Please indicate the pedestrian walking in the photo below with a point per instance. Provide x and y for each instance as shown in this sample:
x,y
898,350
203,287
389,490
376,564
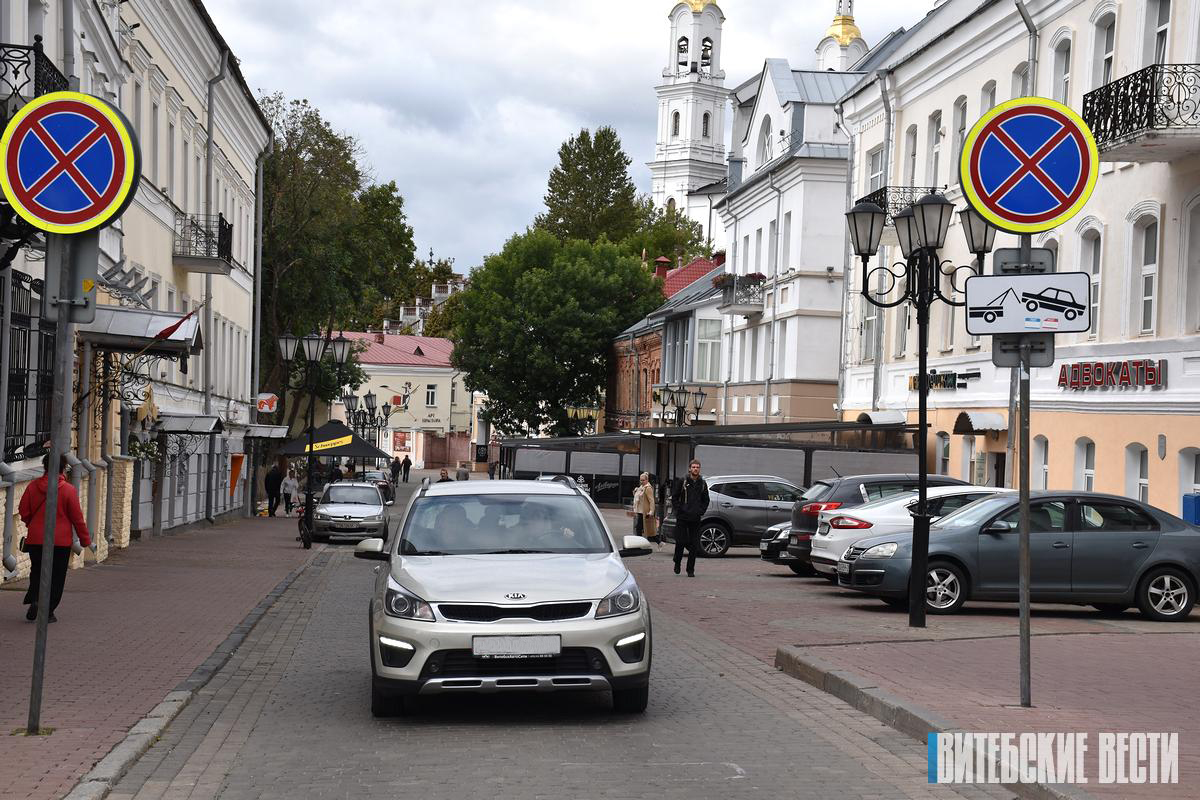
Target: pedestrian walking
x,y
462,473
690,501
32,509
644,521
290,488
406,465
273,482
335,472
491,470
396,469
445,476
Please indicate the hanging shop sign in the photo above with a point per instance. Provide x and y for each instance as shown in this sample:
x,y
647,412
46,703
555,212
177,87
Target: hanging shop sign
x,y
399,440
949,381
1114,374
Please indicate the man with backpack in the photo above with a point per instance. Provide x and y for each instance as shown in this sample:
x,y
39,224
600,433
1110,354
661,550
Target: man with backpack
x,y
690,501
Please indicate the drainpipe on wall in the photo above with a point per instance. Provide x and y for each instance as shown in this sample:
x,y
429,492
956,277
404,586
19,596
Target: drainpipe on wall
x,y
729,365
1014,374
637,382
877,378
208,316
84,441
770,371
843,344
68,40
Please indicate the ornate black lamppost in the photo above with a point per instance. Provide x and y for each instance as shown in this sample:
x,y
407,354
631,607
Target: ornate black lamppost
x,y
313,347
921,229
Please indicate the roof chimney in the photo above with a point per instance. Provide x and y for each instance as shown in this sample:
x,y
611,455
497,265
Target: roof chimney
x,y
662,265
719,258
380,338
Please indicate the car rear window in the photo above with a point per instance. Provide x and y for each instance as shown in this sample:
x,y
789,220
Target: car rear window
x,y
818,491
502,523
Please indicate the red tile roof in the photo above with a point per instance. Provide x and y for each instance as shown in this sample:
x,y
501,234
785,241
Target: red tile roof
x,y
683,277
396,350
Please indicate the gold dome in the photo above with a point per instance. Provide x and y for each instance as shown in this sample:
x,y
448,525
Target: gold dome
x,y
700,5
843,30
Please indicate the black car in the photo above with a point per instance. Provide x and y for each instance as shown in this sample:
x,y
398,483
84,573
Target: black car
x,y
826,495
383,480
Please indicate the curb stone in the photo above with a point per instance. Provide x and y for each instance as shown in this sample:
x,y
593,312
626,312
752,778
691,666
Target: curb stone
x,y
893,711
99,781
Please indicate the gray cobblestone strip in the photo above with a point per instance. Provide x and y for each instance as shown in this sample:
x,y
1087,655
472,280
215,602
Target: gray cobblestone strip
x,y
288,716
98,782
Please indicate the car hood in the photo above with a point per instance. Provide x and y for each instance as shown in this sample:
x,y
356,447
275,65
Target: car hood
x,y
487,578
355,510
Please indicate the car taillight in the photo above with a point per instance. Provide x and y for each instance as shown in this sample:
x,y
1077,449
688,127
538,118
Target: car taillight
x,y
848,523
797,538
812,509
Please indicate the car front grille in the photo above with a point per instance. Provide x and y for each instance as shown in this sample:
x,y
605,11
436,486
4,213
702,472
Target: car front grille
x,y
465,664
853,553
547,612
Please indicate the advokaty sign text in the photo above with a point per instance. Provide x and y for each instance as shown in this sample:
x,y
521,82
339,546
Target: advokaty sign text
x,y
1113,374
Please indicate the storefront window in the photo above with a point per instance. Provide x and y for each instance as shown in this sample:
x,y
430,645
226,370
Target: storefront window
x,y
943,444
1089,466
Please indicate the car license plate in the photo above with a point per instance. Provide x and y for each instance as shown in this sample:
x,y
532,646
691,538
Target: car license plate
x,y
516,646
823,527
764,546
843,568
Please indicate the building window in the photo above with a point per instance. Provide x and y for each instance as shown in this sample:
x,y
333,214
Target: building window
x,y
675,124
1158,20
787,247
430,395
170,181
31,372
745,267
1148,275
1041,456
154,143
708,350
960,136
968,458
1106,37
987,98
901,329
671,205
875,168
1137,472
781,370
765,149
758,251
943,450
910,156
705,124
1062,72
933,166
870,318
1196,473
706,55
1085,465
185,186
773,248
137,107
1020,80
1092,250
682,50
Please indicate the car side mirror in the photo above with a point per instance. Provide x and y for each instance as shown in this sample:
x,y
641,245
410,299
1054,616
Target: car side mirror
x,y
635,546
389,502
1000,526
371,549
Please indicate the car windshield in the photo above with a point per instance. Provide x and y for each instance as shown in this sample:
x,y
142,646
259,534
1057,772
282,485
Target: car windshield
x,y
975,513
901,498
502,523
374,476
352,495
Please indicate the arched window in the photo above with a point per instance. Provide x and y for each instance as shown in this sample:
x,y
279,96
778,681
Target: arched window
x,y
1062,71
1106,46
1137,472
1146,274
1020,80
933,164
960,136
910,156
943,453
1041,462
675,124
1189,471
706,55
683,51
1085,464
707,119
987,97
1091,262
671,205
765,150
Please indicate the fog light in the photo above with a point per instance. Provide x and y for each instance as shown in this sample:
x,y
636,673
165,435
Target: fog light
x,y
597,664
632,649
395,653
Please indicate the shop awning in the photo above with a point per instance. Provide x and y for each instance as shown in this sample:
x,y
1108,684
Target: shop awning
x,y
333,440
189,424
266,432
972,422
883,417
117,329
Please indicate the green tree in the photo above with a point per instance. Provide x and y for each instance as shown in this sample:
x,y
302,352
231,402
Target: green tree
x,y
665,232
589,193
533,328
441,320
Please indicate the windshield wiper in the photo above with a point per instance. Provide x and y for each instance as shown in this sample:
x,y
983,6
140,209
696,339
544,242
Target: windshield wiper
x,y
515,552
424,553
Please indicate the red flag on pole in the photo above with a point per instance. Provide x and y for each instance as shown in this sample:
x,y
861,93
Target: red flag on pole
x,y
170,329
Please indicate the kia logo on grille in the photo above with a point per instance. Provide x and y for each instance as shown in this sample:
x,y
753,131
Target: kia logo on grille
x,y
515,596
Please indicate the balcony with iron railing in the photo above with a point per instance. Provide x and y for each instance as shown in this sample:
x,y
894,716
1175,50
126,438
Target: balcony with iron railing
x,y
25,73
894,199
1149,115
741,295
203,243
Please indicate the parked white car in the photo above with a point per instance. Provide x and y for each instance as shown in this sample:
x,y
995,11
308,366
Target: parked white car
x,y
837,529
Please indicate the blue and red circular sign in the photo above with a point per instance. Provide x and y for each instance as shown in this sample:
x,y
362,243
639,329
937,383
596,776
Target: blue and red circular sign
x,y
1029,165
69,162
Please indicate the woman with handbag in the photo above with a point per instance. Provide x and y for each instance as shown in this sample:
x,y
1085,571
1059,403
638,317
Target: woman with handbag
x,y
33,513
644,521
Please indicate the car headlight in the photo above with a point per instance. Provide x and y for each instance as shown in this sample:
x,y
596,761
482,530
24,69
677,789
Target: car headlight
x,y
886,550
399,602
323,516
374,518
625,599
783,533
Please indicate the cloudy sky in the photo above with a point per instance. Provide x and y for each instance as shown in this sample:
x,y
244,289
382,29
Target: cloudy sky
x,y
464,104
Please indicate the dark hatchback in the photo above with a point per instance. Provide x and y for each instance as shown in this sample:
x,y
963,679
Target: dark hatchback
x,y
828,494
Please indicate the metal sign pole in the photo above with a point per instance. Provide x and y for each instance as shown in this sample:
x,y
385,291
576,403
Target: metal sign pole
x,y
58,258
1023,556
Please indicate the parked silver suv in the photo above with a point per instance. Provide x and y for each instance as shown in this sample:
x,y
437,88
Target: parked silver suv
x,y
740,510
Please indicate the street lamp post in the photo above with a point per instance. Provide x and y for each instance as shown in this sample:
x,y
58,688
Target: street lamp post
x,y
313,348
921,230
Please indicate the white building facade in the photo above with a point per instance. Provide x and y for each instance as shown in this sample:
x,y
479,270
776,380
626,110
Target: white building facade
x,y
1129,67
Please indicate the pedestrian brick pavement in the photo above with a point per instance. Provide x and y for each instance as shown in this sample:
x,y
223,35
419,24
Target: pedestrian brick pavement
x,y
288,716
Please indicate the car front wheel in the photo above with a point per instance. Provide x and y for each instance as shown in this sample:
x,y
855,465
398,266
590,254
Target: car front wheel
x,y
714,540
1166,595
945,588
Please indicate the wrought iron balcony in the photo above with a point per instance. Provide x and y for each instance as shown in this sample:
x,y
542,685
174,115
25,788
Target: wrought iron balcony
x,y
1149,115
25,73
742,295
894,199
203,243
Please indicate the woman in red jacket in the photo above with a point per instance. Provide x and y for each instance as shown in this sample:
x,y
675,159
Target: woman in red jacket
x,y
33,514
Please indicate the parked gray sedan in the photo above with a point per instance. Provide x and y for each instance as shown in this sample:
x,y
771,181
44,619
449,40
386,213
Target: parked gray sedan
x,y
1086,548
